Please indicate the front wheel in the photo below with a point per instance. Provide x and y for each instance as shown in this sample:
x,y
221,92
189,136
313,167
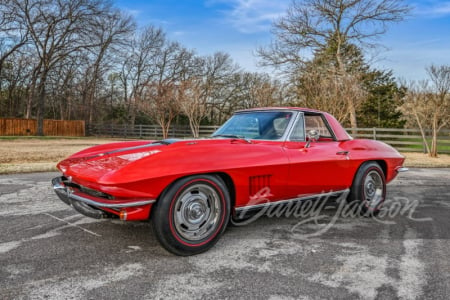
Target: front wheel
x,y
368,190
191,214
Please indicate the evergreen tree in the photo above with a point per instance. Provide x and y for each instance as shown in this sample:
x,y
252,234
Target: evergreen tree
x,y
383,99
322,86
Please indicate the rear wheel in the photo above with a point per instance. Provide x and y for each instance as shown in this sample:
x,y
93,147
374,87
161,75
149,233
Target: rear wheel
x,y
368,190
192,214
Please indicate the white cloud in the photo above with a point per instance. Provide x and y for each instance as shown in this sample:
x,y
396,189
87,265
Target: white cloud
x,y
441,8
251,16
132,12
433,8
178,33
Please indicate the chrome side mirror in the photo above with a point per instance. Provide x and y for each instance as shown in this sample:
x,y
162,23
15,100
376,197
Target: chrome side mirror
x,y
313,135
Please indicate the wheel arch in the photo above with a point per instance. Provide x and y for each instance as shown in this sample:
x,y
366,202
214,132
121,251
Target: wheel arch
x,y
229,183
380,162
383,166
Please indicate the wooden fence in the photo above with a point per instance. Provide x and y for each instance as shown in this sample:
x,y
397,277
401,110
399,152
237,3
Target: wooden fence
x,y
28,127
401,139
146,131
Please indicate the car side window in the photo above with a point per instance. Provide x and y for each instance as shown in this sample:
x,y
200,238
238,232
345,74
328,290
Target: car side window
x,y
298,131
280,125
315,122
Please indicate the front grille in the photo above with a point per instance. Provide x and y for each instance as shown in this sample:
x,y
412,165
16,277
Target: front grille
x,y
95,193
87,191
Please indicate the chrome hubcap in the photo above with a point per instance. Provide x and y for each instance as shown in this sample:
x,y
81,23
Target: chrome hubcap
x,y
373,189
197,212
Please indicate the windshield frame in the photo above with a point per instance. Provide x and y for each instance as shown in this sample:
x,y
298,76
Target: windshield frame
x,y
286,132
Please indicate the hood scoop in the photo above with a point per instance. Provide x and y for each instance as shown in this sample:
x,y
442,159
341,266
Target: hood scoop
x,y
166,141
157,143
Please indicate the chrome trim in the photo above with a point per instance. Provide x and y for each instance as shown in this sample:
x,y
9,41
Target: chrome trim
x,y
263,205
299,118
66,195
402,169
109,205
57,184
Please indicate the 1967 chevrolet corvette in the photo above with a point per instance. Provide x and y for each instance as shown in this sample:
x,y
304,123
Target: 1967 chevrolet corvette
x,y
190,189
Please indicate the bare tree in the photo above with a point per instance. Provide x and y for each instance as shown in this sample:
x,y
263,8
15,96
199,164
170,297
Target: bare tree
x,y
428,102
15,82
192,102
322,87
83,59
219,71
57,29
196,93
310,25
260,90
138,67
440,101
161,96
110,30
13,34
159,101
415,107
322,91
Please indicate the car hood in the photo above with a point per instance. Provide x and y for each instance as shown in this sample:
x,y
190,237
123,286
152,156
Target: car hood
x,y
94,162
129,161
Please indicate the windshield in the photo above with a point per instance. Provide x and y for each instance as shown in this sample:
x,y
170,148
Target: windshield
x,y
264,125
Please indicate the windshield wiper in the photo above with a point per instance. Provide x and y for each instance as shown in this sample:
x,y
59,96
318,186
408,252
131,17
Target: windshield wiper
x,y
231,136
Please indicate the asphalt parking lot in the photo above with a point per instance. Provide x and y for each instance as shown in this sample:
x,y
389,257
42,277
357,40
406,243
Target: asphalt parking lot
x,y
48,251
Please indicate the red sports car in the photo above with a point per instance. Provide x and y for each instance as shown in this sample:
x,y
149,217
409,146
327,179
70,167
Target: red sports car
x,y
190,189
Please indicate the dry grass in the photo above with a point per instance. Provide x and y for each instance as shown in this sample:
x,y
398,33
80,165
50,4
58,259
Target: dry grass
x,y
420,160
37,155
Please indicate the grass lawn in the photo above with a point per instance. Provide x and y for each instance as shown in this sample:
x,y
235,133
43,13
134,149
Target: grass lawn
x,y
417,144
24,155
420,160
20,155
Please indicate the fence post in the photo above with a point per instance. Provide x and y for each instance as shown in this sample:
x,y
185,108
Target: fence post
x,y
140,131
112,129
374,133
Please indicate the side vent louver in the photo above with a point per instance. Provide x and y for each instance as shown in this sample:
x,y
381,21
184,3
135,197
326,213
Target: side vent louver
x,y
258,183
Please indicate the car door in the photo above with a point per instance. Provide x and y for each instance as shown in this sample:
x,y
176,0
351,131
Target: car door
x,y
315,167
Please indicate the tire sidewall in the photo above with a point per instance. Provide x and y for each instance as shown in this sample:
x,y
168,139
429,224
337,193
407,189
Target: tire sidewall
x,y
357,190
163,216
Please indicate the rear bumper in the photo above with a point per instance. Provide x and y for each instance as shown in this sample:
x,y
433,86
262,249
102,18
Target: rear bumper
x,y
95,207
402,169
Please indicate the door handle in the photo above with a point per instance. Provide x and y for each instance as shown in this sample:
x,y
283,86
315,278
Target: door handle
x,y
342,152
346,153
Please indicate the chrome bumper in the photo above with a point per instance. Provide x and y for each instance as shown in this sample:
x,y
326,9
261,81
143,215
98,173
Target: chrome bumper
x,y
89,205
402,169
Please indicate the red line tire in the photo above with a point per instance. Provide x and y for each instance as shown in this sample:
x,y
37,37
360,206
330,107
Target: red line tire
x,y
191,214
368,190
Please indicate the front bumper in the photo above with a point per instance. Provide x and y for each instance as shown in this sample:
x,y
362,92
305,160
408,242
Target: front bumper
x,y
402,169
97,207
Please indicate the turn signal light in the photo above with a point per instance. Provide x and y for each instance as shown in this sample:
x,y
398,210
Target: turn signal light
x,y
123,215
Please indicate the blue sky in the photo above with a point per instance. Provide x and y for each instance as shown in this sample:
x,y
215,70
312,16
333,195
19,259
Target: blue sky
x,y
238,27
